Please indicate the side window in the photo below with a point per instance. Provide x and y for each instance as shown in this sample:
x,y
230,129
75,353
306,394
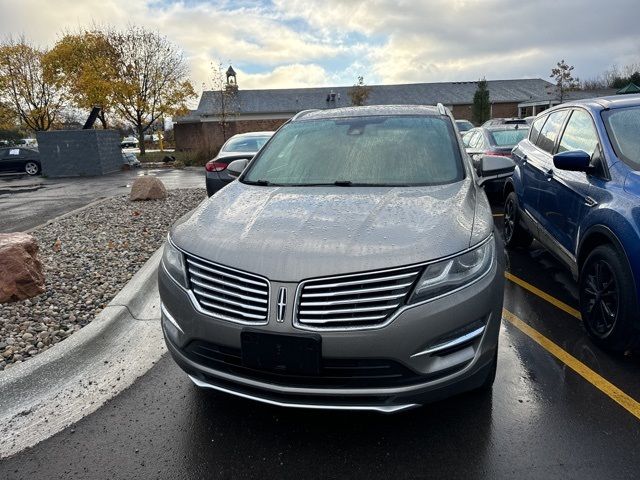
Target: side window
x,y
580,134
535,129
466,138
476,140
550,131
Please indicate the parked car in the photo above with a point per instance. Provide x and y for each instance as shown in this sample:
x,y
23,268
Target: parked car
x,y
504,121
28,142
243,145
19,159
331,274
496,140
130,159
577,190
464,125
129,142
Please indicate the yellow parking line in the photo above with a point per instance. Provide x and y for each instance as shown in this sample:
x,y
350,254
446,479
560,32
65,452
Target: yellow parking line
x,y
606,387
545,296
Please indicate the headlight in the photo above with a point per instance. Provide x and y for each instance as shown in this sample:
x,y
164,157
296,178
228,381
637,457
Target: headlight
x,y
456,272
173,262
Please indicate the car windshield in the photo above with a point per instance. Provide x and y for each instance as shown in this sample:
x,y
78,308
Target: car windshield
x,y
245,144
623,126
375,150
507,138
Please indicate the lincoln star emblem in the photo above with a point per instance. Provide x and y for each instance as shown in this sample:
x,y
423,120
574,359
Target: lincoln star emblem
x,y
282,304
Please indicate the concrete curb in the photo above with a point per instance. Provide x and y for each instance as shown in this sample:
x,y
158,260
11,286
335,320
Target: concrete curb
x,y
58,387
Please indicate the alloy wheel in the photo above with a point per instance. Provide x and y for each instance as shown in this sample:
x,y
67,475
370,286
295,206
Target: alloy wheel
x,y
509,220
601,298
31,168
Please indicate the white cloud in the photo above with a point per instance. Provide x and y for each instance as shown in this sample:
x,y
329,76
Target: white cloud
x,y
287,76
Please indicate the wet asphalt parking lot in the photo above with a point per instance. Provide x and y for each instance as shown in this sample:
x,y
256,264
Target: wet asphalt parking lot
x,y
26,202
560,408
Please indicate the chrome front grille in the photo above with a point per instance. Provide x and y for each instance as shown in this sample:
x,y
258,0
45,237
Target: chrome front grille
x,y
228,294
353,301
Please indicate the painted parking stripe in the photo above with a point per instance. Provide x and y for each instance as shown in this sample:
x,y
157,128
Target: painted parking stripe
x,y
606,387
543,295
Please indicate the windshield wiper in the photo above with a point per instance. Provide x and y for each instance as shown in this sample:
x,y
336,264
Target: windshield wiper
x,y
261,182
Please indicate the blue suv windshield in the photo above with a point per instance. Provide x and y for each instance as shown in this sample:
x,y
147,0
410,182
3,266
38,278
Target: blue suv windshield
x,y
623,126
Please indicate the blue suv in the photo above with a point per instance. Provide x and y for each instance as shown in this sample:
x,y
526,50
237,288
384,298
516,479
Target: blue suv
x,y
576,189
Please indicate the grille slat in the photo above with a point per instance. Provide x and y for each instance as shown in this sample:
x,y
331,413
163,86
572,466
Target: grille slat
x,y
223,282
228,294
363,281
356,292
333,311
336,303
312,321
230,310
218,272
230,302
347,302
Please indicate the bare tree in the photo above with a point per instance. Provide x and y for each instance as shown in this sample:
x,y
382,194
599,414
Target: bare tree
x,y
151,78
359,93
564,79
32,92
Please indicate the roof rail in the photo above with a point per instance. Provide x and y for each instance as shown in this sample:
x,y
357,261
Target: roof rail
x,y
304,112
441,109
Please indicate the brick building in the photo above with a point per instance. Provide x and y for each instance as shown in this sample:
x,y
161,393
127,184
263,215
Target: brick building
x,y
259,110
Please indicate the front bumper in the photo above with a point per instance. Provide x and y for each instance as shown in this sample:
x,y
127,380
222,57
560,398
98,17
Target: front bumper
x,y
428,377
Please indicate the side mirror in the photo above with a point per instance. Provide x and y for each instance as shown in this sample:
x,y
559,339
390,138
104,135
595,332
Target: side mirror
x,y
574,160
236,167
494,167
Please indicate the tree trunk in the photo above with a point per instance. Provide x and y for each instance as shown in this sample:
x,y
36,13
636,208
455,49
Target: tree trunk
x,y
141,139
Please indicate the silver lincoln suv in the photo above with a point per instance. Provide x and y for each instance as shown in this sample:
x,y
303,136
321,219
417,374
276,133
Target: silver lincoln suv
x,y
352,265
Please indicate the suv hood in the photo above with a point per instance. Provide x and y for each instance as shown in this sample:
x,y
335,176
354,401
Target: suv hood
x,y
290,234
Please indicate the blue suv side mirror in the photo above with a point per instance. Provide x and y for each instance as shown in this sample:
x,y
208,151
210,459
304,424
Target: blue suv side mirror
x,y
574,160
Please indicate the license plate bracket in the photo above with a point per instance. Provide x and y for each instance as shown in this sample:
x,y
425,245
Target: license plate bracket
x,y
287,354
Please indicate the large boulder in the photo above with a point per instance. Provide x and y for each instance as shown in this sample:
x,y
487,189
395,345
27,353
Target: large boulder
x,y
21,274
147,188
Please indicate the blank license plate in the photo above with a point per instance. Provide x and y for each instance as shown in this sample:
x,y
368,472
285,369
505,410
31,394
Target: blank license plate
x,y
295,354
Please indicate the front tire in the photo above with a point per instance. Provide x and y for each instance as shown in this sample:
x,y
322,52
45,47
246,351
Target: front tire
x,y
608,300
31,168
515,235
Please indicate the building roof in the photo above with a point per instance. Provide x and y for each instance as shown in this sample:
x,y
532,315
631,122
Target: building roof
x,y
612,101
292,100
585,94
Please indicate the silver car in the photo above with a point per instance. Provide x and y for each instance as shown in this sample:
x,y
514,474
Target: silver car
x,y
352,265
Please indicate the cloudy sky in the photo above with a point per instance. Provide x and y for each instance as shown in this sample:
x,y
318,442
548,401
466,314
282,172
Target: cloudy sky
x,y
293,43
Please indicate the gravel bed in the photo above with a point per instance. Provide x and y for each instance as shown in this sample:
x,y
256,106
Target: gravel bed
x,y
88,258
